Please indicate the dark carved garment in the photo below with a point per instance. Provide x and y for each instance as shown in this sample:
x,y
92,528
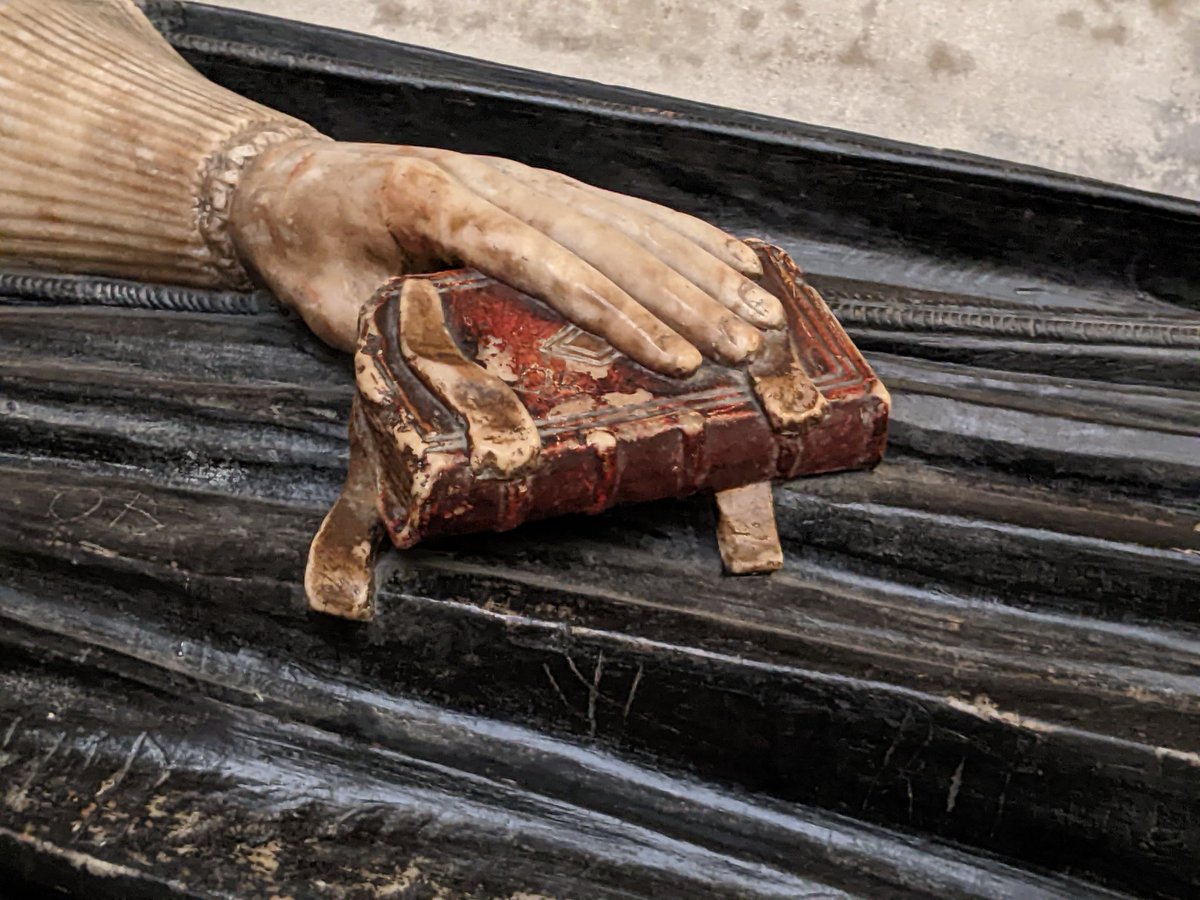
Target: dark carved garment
x,y
976,675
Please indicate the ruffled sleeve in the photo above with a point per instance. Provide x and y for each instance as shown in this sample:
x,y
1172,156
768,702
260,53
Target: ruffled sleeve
x,y
117,157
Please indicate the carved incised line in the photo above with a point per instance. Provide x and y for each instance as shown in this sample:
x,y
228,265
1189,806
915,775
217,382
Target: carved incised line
x,y
891,311
1081,327
93,291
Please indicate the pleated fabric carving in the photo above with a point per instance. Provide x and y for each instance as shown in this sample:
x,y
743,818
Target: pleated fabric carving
x,y
112,147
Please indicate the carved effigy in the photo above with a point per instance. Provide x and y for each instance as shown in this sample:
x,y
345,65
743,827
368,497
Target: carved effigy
x,y
187,182
974,674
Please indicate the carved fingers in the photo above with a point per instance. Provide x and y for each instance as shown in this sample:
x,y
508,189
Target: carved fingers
x,y
428,204
705,256
723,246
612,251
731,251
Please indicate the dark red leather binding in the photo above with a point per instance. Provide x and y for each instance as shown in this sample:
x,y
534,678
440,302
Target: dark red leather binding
x,y
611,431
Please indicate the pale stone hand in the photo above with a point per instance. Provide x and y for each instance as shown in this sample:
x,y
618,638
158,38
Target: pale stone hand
x,y
188,183
323,223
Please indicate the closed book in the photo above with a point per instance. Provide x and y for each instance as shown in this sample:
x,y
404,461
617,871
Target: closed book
x,y
610,431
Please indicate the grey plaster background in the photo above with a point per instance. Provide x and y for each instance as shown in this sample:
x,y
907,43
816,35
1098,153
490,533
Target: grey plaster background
x,y
1105,88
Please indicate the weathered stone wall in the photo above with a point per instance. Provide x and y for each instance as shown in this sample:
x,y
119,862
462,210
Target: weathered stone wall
x,y
1105,88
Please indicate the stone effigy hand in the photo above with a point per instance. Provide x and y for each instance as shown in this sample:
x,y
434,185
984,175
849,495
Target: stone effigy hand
x,y
118,158
324,223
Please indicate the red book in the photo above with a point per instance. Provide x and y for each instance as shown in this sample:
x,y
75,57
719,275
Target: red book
x,y
610,430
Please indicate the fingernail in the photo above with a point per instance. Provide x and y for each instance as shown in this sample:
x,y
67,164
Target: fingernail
x,y
748,262
765,306
743,340
678,357
684,359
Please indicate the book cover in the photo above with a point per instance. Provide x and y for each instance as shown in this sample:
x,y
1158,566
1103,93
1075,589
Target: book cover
x,y
608,431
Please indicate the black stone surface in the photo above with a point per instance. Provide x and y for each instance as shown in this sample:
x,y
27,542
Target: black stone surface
x,y
976,676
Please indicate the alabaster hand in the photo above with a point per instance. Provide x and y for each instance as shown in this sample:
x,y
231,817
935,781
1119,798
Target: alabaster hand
x,y
324,223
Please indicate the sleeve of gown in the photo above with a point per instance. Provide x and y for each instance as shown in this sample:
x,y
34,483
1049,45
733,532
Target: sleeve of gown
x,y
117,157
